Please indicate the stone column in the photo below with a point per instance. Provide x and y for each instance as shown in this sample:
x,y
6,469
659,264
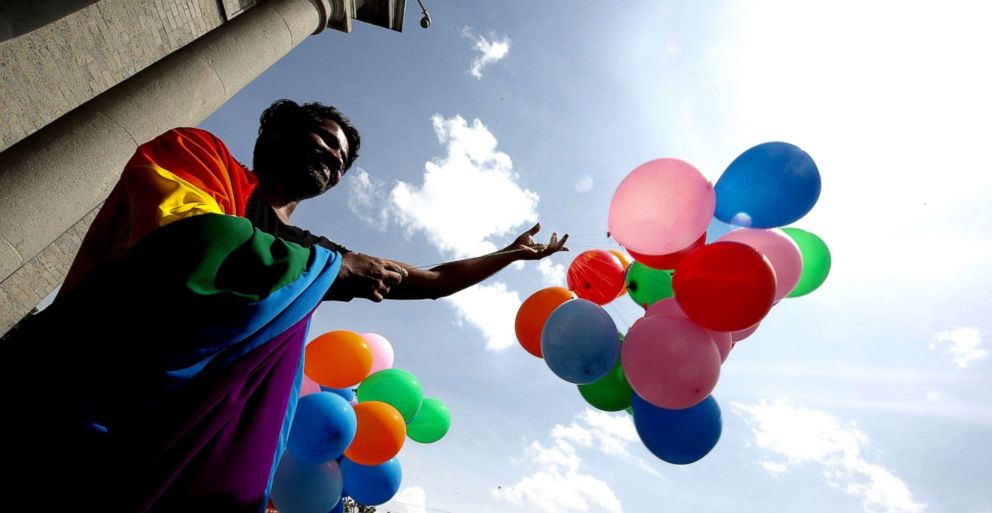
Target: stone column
x,y
52,179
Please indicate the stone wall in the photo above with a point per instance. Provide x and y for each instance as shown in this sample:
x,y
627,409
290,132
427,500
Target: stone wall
x,y
54,69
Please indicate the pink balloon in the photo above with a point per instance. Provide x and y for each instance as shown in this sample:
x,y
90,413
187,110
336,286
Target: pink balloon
x,y
661,207
308,386
670,362
382,351
723,341
737,336
668,306
780,250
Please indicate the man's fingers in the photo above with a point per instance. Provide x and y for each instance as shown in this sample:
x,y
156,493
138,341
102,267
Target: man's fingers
x,y
397,268
561,243
391,277
536,228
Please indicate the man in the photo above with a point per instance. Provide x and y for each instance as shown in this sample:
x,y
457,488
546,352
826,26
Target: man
x,y
164,376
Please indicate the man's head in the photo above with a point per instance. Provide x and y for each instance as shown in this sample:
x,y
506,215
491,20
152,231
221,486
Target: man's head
x,y
303,150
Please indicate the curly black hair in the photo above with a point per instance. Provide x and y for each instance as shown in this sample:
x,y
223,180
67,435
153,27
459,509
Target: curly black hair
x,y
286,116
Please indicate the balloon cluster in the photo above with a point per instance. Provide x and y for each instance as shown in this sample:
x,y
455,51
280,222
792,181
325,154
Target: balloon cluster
x,y
343,442
702,290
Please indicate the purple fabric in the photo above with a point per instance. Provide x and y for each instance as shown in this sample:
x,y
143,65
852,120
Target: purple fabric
x,y
220,456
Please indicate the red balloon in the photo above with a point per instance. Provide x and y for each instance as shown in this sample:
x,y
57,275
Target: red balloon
x,y
596,275
670,260
725,286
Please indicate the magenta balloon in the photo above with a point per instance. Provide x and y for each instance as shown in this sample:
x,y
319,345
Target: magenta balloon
x,y
782,252
382,352
670,362
737,336
308,386
669,306
661,207
723,341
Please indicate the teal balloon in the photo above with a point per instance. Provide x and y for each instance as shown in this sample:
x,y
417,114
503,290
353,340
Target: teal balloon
x,y
303,487
395,387
645,285
579,342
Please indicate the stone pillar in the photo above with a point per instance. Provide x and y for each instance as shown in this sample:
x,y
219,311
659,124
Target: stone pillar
x,y
52,179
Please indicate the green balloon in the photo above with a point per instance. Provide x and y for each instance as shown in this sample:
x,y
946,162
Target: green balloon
x,y
431,424
816,261
395,387
646,285
610,393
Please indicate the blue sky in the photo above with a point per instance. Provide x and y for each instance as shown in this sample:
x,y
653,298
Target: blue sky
x,y
871,394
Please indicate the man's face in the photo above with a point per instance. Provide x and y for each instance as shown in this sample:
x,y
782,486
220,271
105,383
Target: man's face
x,y
309,162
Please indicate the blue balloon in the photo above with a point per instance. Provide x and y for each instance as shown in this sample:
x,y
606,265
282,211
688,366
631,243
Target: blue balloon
x,y
303,487
579,342
323,427
678,436
339,507
770,185
347,393
372,485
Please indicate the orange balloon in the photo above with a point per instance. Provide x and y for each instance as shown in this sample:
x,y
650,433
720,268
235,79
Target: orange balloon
x,y
380,434
534,312
338,359
625,261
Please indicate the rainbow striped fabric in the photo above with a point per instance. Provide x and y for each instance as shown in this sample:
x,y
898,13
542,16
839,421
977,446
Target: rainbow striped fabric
x,y
180,334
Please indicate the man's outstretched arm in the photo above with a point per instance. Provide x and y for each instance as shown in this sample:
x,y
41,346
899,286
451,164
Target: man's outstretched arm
x,y
448,278
377,279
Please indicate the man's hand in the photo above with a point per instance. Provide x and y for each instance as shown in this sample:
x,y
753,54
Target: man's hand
x,y
365,276
529,249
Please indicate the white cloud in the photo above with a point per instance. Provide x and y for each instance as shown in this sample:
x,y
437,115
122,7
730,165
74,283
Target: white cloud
x,y
490,308
964,344
367,199
467,198
412,499
806,436
584,184
553,274
557,483
490,52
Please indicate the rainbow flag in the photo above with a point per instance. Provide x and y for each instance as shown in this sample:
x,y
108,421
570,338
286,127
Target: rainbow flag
x,y
165,376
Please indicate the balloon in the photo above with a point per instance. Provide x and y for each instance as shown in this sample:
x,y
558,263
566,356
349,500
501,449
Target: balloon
x,y
661,207
380,435
678,436
395,387
382,352
308,386
725,286
816,261
737,336
338,359
372,485
670,260
610,393
670,362
580,342
323,427
303,487
431,423
596,275
534,312
347,393
625,262
646,285
781,252
772,184
724,341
